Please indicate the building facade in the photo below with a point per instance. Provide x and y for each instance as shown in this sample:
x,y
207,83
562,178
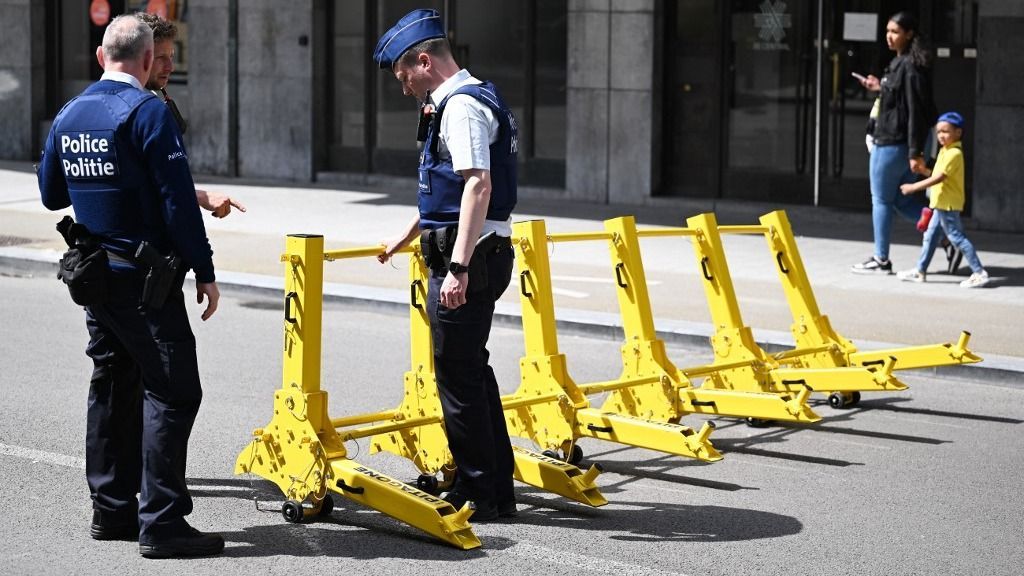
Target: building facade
x,y
618,101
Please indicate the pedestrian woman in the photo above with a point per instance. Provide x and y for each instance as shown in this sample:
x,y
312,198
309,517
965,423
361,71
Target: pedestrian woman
x,y
906,114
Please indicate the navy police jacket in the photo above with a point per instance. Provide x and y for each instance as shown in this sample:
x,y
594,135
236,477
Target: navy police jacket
x,y
440,187
114,153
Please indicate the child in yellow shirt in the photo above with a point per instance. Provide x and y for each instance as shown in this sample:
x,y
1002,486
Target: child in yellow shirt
x,y
946,181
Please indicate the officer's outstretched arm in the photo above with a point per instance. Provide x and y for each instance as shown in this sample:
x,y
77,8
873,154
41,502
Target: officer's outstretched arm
x,y
212,293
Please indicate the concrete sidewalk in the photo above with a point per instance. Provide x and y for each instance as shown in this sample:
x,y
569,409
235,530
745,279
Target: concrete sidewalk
x,y
872,311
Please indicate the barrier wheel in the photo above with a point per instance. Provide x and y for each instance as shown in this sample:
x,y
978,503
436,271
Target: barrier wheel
x,y
428,483
757,422
292,511
837,400
551,454
855,398
576,455
326,506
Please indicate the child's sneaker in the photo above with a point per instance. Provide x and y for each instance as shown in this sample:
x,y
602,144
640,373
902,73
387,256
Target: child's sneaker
x,y
914,275
926,217
977,280
873,266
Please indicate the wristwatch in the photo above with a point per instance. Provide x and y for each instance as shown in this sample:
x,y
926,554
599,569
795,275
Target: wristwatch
x,y
456,268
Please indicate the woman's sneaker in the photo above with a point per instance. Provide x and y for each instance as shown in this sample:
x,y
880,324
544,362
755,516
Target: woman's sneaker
x,y
873,266
977,280
914,275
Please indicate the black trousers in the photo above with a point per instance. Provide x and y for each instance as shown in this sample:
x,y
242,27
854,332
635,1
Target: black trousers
x,y
143,400
470,401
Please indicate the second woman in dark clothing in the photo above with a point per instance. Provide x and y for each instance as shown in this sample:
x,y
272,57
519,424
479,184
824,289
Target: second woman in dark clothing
x,y
905,117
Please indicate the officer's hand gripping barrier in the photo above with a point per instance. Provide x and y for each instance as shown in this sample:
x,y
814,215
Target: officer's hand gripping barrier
x,y
566,415
415,430
301,451
818,345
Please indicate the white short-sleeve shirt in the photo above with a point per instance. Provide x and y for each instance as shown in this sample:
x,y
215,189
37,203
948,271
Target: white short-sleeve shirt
x,y
468,128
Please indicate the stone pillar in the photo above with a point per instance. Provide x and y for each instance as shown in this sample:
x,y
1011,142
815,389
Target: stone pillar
x,y
998,171
207,107
22,78
634,137
275,88
587,86
612,142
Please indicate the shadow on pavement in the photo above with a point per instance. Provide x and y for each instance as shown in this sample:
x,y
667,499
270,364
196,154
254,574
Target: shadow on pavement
x,y
356,532
886,404
659,521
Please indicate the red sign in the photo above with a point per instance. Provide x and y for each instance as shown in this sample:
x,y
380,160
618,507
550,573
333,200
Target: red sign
x,y
99,12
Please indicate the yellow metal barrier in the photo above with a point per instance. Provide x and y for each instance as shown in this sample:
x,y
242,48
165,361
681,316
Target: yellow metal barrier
x,y
750,367
300,449
416,430
548,407
818,345
671,394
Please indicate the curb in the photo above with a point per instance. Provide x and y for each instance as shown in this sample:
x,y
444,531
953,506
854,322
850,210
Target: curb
x,y
1006,371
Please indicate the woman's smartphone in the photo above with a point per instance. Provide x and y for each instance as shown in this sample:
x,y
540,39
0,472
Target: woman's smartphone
x,y
859,77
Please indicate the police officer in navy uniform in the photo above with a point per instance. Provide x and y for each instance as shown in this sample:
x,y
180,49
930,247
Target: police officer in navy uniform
x,y
467,189
165,33
114,153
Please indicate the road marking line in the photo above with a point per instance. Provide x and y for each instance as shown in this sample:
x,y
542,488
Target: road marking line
x,y
596,280
583,562
570,293
42,456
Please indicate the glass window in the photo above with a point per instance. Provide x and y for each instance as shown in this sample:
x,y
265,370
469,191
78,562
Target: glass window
x,y
955,21
396,113
767,73
520,46
552,34
349,69
78,67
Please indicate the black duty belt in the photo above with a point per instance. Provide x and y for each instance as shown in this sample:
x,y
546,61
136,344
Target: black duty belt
x,y
114,257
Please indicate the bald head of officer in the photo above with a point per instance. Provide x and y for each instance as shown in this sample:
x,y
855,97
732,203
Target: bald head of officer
x,y
127,47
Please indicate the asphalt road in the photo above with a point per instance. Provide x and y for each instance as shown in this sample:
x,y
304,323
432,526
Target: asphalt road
x,y
920,482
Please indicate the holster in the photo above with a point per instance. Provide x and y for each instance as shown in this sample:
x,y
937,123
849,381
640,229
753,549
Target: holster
x,y
437,246
161,275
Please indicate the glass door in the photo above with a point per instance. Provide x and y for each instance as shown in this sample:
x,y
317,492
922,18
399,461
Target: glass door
x,y
854,43
769,100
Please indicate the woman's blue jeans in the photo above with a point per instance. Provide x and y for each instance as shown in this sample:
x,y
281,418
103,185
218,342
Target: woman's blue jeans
x,y
889,168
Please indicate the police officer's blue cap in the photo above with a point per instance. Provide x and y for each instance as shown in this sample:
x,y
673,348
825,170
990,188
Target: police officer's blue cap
x,y
953,118
413,28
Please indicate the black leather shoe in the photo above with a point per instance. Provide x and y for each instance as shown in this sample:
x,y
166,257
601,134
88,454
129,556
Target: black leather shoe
x,y
194,543
483,511
104,527
508,509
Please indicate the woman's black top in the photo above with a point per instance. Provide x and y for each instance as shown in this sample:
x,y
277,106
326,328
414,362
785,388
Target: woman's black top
x,y
907,110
